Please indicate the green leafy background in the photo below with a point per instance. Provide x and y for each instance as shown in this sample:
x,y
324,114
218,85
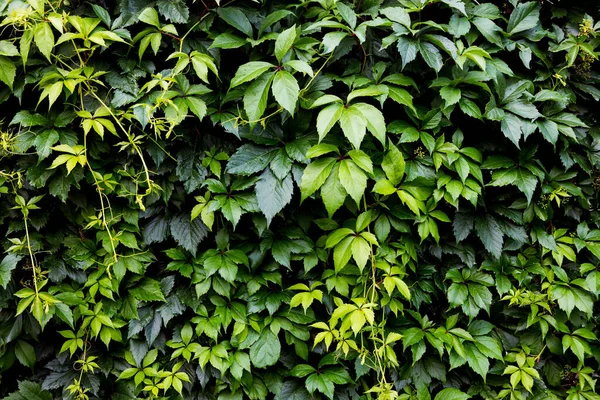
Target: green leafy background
x,y
292,200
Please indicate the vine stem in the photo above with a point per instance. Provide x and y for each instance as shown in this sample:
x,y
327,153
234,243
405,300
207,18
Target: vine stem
x,y
32,257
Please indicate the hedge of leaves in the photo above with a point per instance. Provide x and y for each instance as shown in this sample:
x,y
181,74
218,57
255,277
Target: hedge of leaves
x,y
299,200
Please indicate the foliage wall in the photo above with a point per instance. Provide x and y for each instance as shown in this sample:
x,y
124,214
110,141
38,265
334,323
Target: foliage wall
x,y
295,200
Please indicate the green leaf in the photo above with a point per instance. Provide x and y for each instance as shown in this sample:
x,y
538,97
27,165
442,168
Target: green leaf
x,y
236,18
266,350
273,194
450,95
549,130
353,179
8,71
477,361
44,142
285,89
175,11
347,14
228,41
397,14
393,165
25,353
294,390
8,264
249,71
401,96
354,125
511,127
256,96
284,42
314,176
375,121
327,118
250,159
490,234
44,38
147,290
451,394
150,16
318,382
460,6
431,55
332,40
188,234
336,194
489,30
30,391
525,16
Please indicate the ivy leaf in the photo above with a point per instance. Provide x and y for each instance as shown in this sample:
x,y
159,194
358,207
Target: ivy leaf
x,y
8,264
256,97
188,233
549,130
460,6
29,391
490,234
249,71
450,95
393,165
266,350
285,89
44,38
236,18
408,49
147,290
525,16
451,394
228,41
284,42
353,179
25,353
175,11
319,382
250,159
156,230
477,361
489,30
8,71
347,14
374,119
273,194
354,125
314,176
293,390
327,118
431,55
336,194
511,127
526,182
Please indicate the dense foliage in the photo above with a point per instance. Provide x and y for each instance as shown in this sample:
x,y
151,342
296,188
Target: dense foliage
x,y
279,199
